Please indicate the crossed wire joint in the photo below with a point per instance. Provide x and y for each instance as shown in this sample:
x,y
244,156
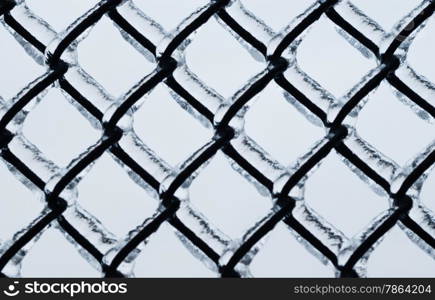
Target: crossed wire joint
x,y
115,256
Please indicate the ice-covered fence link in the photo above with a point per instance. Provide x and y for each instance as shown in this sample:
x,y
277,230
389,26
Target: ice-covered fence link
x,y
115,256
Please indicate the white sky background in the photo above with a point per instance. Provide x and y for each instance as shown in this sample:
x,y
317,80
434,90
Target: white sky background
x,y
226,198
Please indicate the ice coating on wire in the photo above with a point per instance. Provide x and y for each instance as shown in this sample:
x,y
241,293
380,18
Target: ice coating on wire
x,y
284,185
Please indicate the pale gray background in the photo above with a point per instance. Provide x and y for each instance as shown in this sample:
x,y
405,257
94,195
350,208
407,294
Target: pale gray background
x,y
219,192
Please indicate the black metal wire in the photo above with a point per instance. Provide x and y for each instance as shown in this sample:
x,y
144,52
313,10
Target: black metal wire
x,y
338,133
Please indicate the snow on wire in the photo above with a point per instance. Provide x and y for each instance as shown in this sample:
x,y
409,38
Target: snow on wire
x,y
113,256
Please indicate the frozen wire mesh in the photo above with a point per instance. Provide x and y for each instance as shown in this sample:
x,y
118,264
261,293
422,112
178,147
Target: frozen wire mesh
x,y
127,100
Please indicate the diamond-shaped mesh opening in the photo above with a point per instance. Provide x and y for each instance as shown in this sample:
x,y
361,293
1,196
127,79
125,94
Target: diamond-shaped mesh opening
x,y
164,126
421,50
154,153
279,128
47,258
206,57
17,69
399,133
274,259
383,264
221,195
324,193
18,196
114,198
127,66
330,60
56,136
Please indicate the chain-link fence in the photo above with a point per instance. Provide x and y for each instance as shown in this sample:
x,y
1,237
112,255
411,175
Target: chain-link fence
x,y
284,185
